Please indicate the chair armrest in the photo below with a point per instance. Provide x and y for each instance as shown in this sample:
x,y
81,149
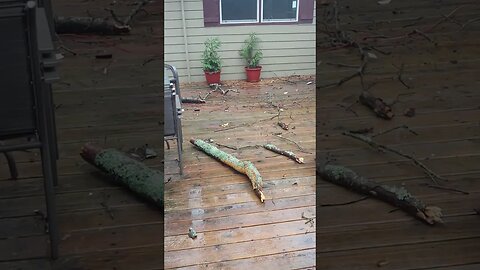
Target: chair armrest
x,y
178,105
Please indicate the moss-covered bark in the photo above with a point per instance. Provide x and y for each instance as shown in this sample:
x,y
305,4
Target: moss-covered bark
x,y
88,25
244,167
397,196
288,154
136,176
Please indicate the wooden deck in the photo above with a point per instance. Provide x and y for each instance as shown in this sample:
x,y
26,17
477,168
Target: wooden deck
x,y
235,230
445,92
113,102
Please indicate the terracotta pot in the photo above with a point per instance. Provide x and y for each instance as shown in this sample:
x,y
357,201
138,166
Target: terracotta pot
x,y
253,74
212,77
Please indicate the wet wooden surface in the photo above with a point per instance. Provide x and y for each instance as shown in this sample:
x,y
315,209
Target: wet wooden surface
x,y
442,74
235,230
112,102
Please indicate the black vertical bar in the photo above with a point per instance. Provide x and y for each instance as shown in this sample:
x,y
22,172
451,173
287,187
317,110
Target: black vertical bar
x,y
44,134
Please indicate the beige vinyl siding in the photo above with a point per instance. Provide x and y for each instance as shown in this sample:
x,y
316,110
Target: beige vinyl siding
x,y
287,49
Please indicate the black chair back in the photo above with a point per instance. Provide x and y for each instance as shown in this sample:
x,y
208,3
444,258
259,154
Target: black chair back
x,y
17,76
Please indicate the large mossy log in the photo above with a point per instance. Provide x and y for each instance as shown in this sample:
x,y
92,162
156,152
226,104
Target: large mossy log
x,y
136,176
244,167
89,25
397,196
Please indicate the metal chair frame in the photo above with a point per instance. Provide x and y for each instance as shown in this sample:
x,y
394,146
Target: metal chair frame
x,y
40,133
173,95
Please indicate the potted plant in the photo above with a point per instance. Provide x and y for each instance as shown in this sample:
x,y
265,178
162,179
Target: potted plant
x,y
211,61
252,54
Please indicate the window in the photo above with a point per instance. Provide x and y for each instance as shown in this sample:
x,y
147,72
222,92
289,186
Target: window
x,y
235,11
228,12
279,10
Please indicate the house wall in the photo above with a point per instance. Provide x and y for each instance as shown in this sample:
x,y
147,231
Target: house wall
x,y
287,49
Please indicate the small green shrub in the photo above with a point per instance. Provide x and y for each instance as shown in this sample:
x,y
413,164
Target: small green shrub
x,y
250,51
211,59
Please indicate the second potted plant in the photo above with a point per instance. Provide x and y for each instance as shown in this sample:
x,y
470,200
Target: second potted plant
x,y
252,55
211,61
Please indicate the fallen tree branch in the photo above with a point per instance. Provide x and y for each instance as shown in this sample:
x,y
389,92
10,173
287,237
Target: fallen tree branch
x,y
193,100
379,107
397,196
392,129
134,11
288,154
381,147
399,76
359,72
244,167
362,130
444,18
310,220
447,188
136,176
290,140
345,203
349,108
82,25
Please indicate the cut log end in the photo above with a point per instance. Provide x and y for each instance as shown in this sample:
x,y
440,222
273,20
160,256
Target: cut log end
x,y
260,195
431,215
89,152
379,107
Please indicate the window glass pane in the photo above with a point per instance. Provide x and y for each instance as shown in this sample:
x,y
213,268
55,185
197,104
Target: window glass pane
x,y
239,10
279,10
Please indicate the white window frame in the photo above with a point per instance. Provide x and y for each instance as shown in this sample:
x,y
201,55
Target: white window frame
x,y
239,21
281,20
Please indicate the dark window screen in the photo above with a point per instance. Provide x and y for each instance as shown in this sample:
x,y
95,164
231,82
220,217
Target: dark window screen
x,y
239,10
280,9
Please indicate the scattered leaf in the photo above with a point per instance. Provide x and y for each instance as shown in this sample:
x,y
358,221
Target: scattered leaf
x,y
372,55
382,263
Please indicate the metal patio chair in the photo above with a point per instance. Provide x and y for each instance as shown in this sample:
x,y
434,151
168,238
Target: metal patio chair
x,y
25,105
173,110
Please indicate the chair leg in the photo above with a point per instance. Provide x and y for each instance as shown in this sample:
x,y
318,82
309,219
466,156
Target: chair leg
x,y
180,133
11,165
47,159
179,147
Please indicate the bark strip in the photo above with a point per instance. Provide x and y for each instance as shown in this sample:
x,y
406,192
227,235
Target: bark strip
x,y
136,176
244,167
397,196
288,154
379,107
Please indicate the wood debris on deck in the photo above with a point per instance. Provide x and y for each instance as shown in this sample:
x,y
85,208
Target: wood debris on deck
x,y
234,230
424,115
